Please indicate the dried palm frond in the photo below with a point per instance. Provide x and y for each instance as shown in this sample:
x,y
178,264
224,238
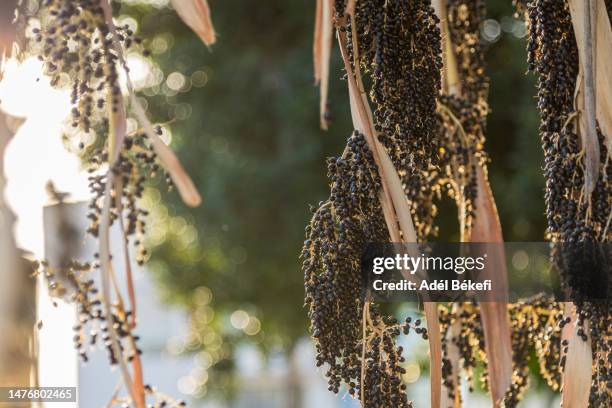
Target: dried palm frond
x,y
322,47
578,363
196,14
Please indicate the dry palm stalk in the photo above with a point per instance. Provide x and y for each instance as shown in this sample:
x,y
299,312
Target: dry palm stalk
x,y
450,369
450,356
196,14
316,45
586,13
322,55
478,214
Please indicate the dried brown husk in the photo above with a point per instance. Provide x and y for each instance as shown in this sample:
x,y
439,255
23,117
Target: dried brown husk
x,y
196,14
584,20
323,40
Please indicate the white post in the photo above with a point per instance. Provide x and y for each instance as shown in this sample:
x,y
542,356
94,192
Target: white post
x,y
64,233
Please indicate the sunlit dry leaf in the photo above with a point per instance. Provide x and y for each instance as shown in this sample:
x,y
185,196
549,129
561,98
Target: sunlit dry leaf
x,y
196,14
586,130
180,178
578,363
494,313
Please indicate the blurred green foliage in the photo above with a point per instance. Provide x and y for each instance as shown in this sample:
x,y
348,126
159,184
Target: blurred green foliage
x,y
253,146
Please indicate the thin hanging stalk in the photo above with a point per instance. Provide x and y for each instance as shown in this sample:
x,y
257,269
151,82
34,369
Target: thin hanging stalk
x,y
450,82
116,136
126,256
105,269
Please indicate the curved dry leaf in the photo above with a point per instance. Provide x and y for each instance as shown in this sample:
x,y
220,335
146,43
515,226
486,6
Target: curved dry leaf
x,y
494,313
362,123
173,166
578,363
196,14
587,132
180,178
350,8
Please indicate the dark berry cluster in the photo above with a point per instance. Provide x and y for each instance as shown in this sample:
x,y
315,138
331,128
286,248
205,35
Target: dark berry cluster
x,y
73,283
397,47
80,45
575,221
353,339
75,40
462,329
536,325
136,158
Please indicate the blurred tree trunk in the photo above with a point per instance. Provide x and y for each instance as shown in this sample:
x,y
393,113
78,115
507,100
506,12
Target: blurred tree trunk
x,y
17,293
17,288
